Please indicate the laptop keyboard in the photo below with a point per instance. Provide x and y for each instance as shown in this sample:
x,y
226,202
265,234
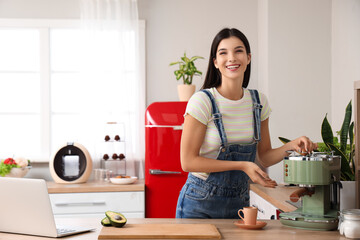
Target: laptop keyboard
x,y
64,230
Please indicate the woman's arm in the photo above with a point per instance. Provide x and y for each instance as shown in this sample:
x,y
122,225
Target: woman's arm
x,y
191,140
269,156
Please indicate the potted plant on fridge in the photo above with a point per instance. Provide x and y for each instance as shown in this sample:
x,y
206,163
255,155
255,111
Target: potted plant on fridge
x,y
345,148
186,71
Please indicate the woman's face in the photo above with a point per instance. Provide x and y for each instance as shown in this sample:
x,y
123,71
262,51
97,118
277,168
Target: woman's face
x,y
231,58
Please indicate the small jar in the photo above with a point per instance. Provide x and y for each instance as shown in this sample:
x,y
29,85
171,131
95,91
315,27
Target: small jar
x,y
349,223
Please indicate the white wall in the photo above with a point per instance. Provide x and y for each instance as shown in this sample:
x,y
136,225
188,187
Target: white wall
x,y
305,52
345,57
175,26
299,69
39,9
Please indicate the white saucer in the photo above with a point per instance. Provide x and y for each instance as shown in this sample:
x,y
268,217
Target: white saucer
x,y
123,181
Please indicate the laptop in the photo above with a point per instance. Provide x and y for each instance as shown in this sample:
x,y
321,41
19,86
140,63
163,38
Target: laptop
x,y
25,208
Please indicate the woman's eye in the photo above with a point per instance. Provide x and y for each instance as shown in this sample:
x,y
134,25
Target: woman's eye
x,y
222,53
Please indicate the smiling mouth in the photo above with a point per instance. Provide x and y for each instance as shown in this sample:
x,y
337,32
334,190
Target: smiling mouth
x,y
232,67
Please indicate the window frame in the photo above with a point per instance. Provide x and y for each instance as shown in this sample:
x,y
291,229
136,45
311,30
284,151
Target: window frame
x,y
44,26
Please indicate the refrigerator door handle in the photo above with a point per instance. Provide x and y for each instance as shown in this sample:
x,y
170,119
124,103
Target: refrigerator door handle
x,y
158,172
174,127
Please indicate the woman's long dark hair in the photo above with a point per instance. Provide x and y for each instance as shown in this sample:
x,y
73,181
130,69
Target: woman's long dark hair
x,y
213,75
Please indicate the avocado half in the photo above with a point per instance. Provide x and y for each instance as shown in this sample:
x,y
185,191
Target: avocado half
x,y
116,219
106,222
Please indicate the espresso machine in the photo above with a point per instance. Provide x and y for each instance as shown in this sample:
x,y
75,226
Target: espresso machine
x,y
318,177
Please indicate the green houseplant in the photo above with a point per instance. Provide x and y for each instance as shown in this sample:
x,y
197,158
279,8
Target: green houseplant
x,y
186,71
343,148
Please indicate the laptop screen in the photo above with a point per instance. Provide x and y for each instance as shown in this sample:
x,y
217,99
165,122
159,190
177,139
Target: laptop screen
x,y
25,207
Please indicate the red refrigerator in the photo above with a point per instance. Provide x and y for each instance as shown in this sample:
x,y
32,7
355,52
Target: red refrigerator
x,y
164,177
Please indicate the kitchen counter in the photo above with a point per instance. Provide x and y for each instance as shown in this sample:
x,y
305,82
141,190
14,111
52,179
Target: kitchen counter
x,y
94,198
93,186
276,196
274,230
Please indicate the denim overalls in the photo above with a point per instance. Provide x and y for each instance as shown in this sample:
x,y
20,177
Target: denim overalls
x,y
222,194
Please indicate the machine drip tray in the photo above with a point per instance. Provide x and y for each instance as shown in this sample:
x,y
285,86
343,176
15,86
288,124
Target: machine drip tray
x,y
307,217
297,219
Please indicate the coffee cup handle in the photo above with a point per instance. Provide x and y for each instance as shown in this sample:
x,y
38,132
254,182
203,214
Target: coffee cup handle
x,y
240,214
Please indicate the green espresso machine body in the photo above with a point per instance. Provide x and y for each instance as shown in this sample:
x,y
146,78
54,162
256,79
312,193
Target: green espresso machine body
x,y
318,178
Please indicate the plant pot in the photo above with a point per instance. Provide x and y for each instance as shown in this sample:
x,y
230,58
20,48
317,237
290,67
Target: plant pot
x,y
347,195
185,92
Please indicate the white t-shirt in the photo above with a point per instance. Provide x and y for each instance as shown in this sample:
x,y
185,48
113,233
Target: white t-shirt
x,y
237,117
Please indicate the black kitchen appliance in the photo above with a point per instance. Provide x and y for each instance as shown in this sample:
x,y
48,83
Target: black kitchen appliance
x,y
71,164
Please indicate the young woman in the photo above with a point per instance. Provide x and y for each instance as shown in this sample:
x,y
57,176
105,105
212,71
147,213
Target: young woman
x,y
226,125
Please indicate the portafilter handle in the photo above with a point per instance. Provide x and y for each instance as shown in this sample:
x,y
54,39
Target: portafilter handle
x,y
296,195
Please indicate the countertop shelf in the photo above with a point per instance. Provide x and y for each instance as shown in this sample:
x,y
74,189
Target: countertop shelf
x,y
93,186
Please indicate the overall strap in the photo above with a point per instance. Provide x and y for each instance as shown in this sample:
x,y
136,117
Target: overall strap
x,y
257,113
217,118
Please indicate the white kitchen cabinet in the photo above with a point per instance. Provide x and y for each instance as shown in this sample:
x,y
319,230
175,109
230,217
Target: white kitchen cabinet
x,y
265,209
95,204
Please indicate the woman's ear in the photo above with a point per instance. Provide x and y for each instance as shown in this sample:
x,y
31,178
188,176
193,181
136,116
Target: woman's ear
x,y
249,58
215,62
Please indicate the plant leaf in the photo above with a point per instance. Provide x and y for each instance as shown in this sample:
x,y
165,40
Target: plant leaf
x,y
351,135
195,57
345,177
345,127
185,59
326,131
173,63
284,140
345,167
178,74
352,146
351,139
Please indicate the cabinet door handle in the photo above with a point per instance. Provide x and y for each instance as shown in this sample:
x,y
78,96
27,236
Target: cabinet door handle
x,y
66,204
158,171
259,210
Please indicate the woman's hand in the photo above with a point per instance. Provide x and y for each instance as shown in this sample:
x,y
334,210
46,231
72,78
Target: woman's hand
x,y
257,175
302,145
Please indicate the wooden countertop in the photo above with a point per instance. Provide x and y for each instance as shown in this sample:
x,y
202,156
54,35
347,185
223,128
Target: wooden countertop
x,y
276,196
274,230
92,186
